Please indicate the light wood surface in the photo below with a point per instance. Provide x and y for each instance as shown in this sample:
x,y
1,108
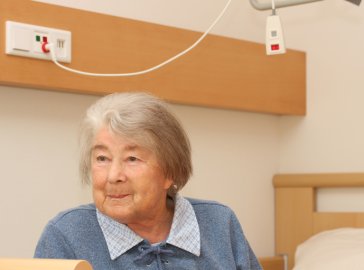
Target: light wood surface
x,y
43,264
272,263
296,218
221,72
330,221
319,180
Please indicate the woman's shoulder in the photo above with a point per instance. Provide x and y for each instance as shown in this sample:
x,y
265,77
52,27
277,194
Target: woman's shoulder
x,y
70,233
214,216
205,203
209,207
75,215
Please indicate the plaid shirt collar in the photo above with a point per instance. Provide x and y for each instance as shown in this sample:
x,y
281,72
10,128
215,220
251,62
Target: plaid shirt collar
x,y
184,234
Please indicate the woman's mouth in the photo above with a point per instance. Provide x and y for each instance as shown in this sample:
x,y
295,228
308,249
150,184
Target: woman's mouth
x,y
117,196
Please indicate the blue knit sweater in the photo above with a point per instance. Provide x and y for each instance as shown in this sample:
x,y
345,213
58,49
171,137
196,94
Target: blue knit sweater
x,y
76,234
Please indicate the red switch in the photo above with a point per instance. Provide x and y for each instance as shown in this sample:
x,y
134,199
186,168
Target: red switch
x,y
275,47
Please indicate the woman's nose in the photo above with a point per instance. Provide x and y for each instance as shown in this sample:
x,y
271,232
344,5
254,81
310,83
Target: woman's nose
x,y
116,172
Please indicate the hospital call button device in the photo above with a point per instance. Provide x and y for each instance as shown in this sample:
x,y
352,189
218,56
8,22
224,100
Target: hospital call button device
x,y
274,42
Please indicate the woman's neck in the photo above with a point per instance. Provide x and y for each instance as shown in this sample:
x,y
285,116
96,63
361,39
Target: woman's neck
x,y
156,230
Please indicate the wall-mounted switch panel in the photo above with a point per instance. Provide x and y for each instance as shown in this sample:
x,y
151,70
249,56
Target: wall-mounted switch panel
x,y
27,40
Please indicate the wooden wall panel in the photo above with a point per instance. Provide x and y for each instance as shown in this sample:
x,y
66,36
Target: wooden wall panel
x,y
221,72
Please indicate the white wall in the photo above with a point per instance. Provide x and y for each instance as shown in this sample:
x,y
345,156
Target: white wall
x,y
234,157
235,153
330,137
39,176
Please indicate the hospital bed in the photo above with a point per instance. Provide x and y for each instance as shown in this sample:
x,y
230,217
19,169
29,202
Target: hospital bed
x,y
307,239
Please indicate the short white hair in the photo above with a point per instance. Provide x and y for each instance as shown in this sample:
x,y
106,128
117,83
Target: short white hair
x,y
146,120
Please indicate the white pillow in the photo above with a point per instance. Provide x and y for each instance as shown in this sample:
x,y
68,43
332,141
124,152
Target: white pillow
x,y
340,249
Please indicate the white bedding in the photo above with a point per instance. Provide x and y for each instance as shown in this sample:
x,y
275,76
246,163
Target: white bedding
x,y
340,249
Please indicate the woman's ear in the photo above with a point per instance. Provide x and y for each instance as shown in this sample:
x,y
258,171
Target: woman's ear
x,y
168,183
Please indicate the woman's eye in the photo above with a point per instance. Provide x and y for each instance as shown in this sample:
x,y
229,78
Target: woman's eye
x,y
131,158
101,158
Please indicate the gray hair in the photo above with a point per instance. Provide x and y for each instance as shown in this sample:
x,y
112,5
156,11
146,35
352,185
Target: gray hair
x,y
146,120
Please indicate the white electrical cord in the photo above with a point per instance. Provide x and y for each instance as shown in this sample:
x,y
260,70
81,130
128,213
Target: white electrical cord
x,y
273,7
51,48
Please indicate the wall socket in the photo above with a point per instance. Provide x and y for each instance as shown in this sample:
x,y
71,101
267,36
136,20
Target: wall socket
x,y
27,40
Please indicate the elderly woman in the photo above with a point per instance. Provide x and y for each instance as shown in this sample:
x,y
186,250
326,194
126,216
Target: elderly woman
x,y
137,157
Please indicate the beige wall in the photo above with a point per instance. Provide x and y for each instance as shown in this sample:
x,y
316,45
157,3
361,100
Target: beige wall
x,y
39,177
234,157
330,137
235,153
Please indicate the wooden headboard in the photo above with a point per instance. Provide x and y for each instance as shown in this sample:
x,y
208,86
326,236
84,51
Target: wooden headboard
x,y
296,218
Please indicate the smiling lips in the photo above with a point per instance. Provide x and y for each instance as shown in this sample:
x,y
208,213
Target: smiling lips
x,y
117,196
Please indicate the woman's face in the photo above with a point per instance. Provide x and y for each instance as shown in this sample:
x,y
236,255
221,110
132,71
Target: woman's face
x,y
128,184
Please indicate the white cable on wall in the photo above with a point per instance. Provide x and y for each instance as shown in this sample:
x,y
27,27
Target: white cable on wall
x,y
51,48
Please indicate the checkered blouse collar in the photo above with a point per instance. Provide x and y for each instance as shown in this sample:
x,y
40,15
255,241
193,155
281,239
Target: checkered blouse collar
x,y
184,234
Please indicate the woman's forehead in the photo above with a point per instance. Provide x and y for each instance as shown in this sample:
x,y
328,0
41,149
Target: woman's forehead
x,y
105,138
134,141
